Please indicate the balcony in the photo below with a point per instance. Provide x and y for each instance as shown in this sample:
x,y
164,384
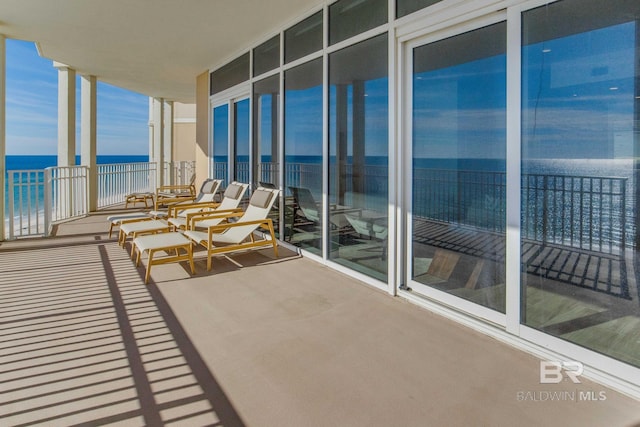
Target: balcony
x,y
256,341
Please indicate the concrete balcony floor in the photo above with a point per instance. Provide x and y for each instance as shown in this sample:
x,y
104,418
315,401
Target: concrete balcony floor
x,y
258,341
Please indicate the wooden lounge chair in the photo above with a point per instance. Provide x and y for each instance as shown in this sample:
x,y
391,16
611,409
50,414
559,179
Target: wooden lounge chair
x,y
184,216
238,235
168,194
207,192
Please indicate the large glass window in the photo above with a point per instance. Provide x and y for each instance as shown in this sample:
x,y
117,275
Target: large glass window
x,y
266,57
229,75
221,143
580,174
241,141
303,38
405,7
266,102
303,156
348,18
459,162
358,158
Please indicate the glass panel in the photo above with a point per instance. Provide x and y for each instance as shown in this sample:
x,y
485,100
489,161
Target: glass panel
x,y
266,57
303,156
229,75
405,7
348,18
459,161
221,143
266,102
241,141
303,38
580,174
358,162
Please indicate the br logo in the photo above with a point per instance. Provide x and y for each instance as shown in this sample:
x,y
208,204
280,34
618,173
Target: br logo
x,y
553,372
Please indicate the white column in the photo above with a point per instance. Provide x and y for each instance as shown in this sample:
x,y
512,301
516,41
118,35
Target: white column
x,y
88,139
158,139
3,147
151,139
168,141
66,115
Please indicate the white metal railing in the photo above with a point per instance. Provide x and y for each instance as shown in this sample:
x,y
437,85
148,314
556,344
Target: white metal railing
x,y
36,199
117,180
179,173
65,194
25,203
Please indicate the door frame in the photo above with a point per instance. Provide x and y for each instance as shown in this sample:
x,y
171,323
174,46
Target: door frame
x,y
407,47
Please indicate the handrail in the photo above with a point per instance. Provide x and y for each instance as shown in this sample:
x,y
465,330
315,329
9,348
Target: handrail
x,y
66,194
117,180
586,212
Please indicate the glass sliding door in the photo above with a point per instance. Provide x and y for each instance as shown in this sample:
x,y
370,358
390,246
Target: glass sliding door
x,y
580,174
458,206
266,171
358,157
221,143
303,156
241,141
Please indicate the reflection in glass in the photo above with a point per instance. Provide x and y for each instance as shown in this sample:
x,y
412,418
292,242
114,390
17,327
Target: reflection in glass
x,y
266,57
266,100
221,143
580,174
241,141
303,156
459,161
348,18
405,7
229,75
358,174
304,38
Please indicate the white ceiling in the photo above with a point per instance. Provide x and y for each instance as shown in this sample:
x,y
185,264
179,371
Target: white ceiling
x,y
154,47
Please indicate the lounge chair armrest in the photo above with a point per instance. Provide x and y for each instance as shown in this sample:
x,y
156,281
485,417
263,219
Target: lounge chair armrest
x,y
175,208
194,217
173,200
221,227
173,187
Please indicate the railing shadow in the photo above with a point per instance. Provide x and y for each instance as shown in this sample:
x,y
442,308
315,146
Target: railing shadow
x,y
84,342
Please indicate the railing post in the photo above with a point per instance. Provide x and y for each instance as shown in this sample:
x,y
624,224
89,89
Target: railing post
x,y
47,201
545,203
11,206
623,219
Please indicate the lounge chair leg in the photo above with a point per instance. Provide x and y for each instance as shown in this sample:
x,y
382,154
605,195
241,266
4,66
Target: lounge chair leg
x,y
149,262
209,262
132,245
190,253
273,239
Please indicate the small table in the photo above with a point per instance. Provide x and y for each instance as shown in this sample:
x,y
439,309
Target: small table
x,y
172,241
138,197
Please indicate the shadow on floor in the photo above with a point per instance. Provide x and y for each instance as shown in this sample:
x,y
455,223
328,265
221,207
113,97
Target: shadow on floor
x,y
90,344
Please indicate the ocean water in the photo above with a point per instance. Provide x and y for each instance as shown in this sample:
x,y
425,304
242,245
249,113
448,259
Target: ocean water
x,y
41,162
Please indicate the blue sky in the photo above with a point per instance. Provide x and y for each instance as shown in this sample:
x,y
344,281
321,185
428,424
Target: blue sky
x,y
32,109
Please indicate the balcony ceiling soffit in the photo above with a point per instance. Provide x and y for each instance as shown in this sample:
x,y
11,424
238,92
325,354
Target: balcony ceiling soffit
x,y
154,47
